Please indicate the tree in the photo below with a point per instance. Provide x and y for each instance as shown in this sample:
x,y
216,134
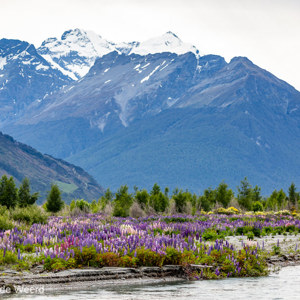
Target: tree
x,y
257,194
8,192
158,200
223,195
272,200
207,200
142,198
281,198
293,195
54,202
180,201
104,200
245,194
24,196
122,202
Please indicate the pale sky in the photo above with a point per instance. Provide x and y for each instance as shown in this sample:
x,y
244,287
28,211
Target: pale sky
x,y
266,31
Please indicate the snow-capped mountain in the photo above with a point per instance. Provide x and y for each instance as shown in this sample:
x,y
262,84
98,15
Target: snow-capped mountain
x,y
168,42
173,119
25,77
157,111
76,51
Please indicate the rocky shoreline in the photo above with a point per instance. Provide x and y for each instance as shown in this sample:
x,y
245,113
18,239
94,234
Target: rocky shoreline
x,y
78,279
92,277
64,280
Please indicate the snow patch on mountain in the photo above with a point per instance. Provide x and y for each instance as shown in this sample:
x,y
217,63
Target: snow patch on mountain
x,y
168,42
75,52
2,62
147,77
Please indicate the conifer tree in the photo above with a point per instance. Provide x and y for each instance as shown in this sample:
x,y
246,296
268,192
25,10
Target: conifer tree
x,y
54,202
8,192
25,198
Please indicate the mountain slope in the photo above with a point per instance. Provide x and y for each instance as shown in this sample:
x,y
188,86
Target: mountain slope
x,y
176,120
197,148
117,90
179,120
19,160
25,78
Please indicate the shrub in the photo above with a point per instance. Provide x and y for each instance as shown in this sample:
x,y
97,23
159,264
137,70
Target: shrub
x,y
227,211
149,258
8,257
30,214
257,206
79,207
5,223
85,257
173,257
136,211
250,235
209,235
107,259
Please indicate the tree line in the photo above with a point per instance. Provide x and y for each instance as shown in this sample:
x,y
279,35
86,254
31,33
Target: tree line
x,y
12,196
123,203
248,198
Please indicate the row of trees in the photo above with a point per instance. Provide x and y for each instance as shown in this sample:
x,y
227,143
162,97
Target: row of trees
x,y
11,196
156,201
248,198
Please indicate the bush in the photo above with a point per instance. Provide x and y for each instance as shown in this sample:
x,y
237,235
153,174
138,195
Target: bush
x,y
227,211
173,257
30,214
257,206
79,206
8,257
108,259
149,258
136,211
86,257
209,235
6,223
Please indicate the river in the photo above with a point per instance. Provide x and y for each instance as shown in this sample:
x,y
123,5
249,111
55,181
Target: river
x,y
282,285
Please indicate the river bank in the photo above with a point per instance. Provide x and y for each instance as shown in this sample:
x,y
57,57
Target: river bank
x,y
85,278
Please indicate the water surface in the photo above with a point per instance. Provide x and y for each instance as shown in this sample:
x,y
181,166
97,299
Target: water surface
x,y
282,285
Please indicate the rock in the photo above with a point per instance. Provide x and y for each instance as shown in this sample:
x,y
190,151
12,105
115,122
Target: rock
x,y
199,267
38,269
10,272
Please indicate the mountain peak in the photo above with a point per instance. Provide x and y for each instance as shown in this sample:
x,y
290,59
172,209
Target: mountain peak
x,y
72,32
75,52
170,33
168,42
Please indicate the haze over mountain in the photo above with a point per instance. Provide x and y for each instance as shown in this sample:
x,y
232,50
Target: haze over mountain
x,y
158,111
20,161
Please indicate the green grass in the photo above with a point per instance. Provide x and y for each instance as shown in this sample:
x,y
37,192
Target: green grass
x,y
66,187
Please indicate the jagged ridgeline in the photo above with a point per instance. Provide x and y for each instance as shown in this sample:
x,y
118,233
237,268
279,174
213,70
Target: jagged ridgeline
x,y
20,161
